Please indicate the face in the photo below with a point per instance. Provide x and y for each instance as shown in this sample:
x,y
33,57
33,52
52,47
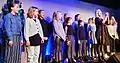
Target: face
x,y
59,15
15,9
78,17
36,13
42,14
70,21
100,13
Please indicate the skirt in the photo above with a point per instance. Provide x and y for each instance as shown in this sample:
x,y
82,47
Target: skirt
x,y
13,54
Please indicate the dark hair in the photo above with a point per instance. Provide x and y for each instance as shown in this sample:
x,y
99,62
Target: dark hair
x,y
65,15
12,5
40,11
76,16
67,19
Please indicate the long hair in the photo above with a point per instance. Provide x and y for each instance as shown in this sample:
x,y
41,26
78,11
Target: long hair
x,y
113,21
76,16
31,11
97,12
54,17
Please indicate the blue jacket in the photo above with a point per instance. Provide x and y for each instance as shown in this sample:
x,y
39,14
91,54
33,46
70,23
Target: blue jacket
x,y
13,25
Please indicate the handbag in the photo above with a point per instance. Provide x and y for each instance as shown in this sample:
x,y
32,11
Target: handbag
x,y
35,40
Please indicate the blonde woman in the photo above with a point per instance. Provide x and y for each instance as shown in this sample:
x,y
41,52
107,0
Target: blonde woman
x,y
33,35
58,34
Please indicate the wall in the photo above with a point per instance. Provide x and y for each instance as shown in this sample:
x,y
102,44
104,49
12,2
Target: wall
x,y
66,6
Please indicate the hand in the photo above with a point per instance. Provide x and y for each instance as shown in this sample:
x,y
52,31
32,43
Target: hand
x,y
42,41
21,43
78,41
68,42
10,43
28,43
45,38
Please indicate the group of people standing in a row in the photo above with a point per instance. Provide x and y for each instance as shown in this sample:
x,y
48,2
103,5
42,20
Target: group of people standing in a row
x,y
100,33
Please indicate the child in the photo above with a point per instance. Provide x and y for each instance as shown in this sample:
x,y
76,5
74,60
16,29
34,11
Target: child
x,y
70,39
82,40
91,34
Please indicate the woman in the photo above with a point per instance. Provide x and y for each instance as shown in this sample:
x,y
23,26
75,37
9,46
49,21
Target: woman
x,y
92,37
65,44
111,36
14,39
33,35
99,35
58,34
70,39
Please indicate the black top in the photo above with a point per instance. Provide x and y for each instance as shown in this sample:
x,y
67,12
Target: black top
x,y
70,30
45,27
81,33
98,22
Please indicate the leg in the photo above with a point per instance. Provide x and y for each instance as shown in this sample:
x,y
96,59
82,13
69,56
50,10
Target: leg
x,y
57,49
36,53
85,48
60,50
30,51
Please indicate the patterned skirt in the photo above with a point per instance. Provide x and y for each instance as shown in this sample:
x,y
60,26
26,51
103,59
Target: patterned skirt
x,y
13,54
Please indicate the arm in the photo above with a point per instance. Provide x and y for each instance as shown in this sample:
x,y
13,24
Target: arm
x,y
26,29
7,24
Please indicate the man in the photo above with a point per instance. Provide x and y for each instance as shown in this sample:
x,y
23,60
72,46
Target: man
x,y
46,33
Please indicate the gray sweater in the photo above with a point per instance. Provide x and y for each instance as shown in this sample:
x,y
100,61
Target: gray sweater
x,y
58,30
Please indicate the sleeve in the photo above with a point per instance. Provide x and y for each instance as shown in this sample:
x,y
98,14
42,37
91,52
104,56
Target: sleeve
x,y
26,29
7,24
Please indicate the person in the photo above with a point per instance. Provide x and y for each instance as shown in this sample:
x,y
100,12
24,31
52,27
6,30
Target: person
x,y
70,40
65,44
75,27
33,35
46,33
13,35
58,34
92,37
99,35
111,37
112,29
82,40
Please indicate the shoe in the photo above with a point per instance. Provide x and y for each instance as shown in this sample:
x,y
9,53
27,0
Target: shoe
x,y
67,60
106,56
112,53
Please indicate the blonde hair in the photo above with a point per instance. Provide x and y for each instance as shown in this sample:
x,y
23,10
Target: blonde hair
x,y
54,17
97,12
31,11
